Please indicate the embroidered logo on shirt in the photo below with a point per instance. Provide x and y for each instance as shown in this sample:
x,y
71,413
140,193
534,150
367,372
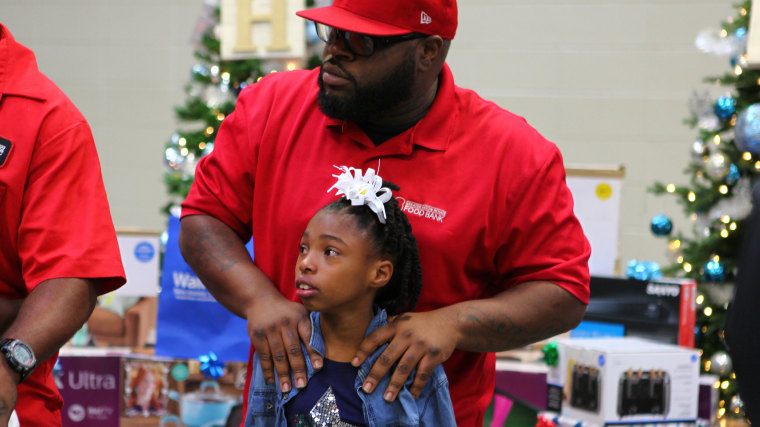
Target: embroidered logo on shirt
x,y
421,210
425,18
5,149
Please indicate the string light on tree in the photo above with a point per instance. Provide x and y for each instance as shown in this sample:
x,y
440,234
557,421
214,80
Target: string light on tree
x,y
211,95
723,160
737,405
698,151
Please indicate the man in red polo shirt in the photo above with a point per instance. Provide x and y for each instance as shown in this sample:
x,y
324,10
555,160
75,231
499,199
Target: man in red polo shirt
x,y
58,247
504,259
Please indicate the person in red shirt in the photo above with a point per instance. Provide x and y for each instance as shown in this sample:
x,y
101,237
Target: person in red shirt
x,y
504,259
58,247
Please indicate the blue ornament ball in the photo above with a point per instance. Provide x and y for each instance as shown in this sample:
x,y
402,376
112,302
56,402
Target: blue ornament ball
x,y
733,175
725,107
741,32
747,130
661,225
714,271
643,270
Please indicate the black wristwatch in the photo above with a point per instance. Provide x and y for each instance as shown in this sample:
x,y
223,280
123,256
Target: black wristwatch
x,y
19,355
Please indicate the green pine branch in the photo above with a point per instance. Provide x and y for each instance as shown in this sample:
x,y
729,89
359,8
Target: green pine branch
x,y
202,118
720,236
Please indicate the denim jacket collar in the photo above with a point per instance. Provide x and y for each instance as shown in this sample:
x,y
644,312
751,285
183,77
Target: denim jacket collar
x,y
266,402
317,341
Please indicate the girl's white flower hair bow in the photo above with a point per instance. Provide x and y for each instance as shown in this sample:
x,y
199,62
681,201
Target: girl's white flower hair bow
x,y
362,189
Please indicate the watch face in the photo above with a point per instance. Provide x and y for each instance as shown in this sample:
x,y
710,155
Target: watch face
x,y
23,355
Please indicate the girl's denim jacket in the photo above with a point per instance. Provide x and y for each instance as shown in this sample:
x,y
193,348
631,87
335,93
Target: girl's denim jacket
x,y
266,404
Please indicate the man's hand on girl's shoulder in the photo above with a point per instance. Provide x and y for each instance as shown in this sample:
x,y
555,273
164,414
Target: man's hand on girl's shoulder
x,y
418,341
277,327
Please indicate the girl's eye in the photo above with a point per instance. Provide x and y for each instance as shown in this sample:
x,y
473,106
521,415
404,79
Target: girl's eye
x,y
331,252
302,249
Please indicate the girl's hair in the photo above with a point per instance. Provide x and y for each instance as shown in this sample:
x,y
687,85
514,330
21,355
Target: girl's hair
x,y
393,240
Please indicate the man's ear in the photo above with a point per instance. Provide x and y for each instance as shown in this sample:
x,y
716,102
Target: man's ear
x,y
429,52
381,273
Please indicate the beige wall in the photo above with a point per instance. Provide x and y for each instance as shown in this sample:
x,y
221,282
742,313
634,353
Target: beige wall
x,y
607,80
124,63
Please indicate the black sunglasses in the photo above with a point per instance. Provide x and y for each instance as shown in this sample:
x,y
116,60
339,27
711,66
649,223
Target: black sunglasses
x,y
361,44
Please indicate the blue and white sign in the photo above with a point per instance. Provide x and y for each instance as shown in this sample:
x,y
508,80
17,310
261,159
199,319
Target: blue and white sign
x,y
190,321
139,254
145,251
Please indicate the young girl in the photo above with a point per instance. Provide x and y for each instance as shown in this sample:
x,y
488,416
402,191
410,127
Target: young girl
x,y
357,264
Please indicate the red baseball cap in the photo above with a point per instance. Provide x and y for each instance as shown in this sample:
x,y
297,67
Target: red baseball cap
x,y
389,17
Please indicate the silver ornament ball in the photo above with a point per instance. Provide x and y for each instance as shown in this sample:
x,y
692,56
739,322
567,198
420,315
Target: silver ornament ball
x,y
717,166
720,363
698,151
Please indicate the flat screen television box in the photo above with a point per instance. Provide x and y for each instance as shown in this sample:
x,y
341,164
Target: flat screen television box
x,y
662,309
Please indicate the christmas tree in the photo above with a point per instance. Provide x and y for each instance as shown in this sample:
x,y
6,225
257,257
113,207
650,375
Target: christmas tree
x,y
725,159
211,96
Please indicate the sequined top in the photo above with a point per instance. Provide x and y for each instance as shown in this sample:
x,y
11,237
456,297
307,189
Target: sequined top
x,y
266,404
329,395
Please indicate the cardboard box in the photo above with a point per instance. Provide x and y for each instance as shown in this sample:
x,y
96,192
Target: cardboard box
x,y
662,310
624,380
91,388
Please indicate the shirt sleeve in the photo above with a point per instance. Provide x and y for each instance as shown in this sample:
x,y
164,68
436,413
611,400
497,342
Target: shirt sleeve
x,y
224,179
66,228
543,239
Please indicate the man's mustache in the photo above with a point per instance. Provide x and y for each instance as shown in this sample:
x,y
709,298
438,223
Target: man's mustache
x,y
334,62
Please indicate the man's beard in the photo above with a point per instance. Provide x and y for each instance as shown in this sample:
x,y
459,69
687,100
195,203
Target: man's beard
x,y
369,101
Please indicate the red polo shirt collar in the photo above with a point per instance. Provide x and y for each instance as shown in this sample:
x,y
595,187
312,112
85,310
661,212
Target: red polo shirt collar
x,y
434,131
19,79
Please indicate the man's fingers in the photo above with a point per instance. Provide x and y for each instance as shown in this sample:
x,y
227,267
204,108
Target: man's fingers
x,y
259,341
277,329
382,365
422,376
404,368
304,330
292,339
371,342
279,358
